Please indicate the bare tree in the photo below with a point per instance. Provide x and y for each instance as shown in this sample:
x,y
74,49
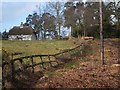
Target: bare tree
x,y
101,34
56,8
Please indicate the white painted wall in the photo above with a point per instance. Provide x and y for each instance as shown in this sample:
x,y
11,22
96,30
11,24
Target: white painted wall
x,y
23,37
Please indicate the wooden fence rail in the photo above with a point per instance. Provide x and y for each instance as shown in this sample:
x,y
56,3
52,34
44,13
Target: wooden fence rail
x,y
21,60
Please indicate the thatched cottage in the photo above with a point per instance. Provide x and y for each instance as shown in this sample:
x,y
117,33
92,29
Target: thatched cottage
x,y
20,33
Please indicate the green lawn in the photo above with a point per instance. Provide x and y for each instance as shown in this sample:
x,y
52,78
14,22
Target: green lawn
x,y
36,47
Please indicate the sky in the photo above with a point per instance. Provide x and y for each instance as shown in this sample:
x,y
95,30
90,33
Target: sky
x,y
13,12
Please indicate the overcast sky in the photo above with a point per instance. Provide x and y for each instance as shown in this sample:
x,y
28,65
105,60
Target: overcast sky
x,y
13,12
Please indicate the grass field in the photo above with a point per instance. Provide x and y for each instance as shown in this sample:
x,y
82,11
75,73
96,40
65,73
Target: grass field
x,y
28,48
36,47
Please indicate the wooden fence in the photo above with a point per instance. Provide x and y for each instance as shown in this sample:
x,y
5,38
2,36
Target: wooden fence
x,y
18,64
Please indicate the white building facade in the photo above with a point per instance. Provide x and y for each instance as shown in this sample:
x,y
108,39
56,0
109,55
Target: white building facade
x,y
20,37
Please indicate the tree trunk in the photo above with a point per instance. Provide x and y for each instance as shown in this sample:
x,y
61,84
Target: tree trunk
x,y
84,33
78,29
117,27
58,17
101,34
59,30
45,34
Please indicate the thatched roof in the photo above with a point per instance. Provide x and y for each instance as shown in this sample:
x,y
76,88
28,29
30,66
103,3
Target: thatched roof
x,y
26,30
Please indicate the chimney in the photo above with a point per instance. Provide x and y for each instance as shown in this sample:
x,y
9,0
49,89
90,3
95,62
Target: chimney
x,y
21,25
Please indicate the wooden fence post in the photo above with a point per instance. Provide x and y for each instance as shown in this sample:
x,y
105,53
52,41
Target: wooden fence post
x,y
49,61
70,52
74,52
55,59
32,64
62,54
21,62
13,70
42,62
80,49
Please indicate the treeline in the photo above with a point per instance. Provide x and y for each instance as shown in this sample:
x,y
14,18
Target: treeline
x,y
82,18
